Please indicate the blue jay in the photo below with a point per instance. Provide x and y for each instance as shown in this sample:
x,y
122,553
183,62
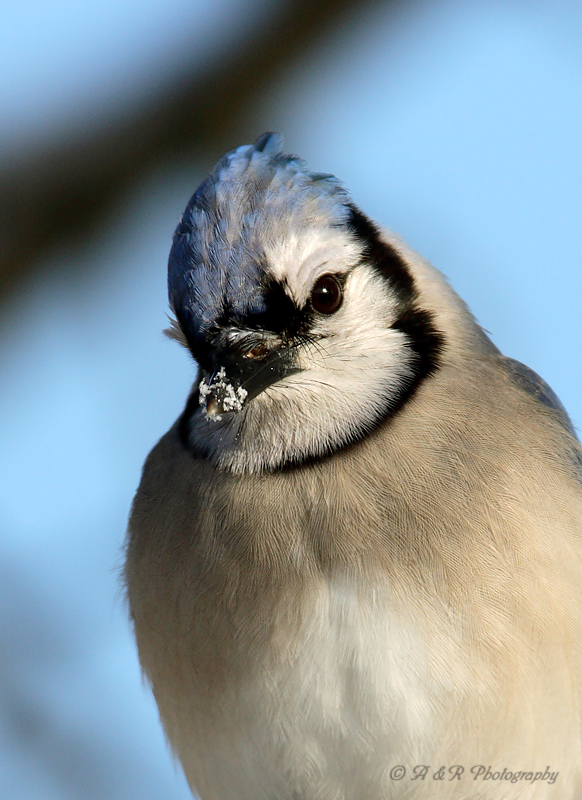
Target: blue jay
x,y
354,564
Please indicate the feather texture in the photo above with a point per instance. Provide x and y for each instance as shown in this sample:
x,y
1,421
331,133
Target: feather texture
x,y
406,591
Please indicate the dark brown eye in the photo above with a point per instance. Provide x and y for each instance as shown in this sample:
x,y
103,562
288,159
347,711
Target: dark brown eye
x,y
327,295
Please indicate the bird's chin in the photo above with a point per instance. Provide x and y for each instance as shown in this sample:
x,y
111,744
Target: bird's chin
x,y
214,434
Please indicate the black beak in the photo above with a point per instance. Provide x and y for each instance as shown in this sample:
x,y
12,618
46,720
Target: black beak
x,y
237,377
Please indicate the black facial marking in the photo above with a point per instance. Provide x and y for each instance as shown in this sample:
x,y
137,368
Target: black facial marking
x,y
417,323
281,314
384,257
425,341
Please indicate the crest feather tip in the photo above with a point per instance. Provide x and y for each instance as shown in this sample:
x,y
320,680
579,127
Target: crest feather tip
x,y
269,143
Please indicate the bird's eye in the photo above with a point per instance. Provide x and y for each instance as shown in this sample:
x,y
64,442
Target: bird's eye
x,y
327,295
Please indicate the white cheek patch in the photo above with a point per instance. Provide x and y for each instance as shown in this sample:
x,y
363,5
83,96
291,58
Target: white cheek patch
x,y
352,371
369,305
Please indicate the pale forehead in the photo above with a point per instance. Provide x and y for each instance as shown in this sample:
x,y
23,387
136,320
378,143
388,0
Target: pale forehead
x,y
309,253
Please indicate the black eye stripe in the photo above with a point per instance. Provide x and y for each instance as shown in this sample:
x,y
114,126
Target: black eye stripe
x,y
281,315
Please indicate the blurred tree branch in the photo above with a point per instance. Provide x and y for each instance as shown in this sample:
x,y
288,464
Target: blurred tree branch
x,y
63,191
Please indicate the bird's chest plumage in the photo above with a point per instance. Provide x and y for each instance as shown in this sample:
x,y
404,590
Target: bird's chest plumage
x,y
337,692
289,666
334,693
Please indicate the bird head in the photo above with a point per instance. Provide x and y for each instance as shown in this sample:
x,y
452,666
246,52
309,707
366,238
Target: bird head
x,y
303,319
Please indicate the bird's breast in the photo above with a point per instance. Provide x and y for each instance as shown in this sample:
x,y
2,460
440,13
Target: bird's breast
x,y
303,659
335,691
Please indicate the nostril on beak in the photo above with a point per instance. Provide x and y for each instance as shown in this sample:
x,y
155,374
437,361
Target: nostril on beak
x,y
258,351
212,407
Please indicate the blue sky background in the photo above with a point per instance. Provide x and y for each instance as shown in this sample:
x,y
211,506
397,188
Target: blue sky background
x,y
456,123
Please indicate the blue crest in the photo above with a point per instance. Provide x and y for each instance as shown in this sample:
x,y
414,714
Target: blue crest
x,y
217,269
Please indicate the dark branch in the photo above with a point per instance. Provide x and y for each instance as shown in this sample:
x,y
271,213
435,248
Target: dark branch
x,y
57,194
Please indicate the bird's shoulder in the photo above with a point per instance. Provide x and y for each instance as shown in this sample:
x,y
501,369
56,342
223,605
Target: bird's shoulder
x,y
527,380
